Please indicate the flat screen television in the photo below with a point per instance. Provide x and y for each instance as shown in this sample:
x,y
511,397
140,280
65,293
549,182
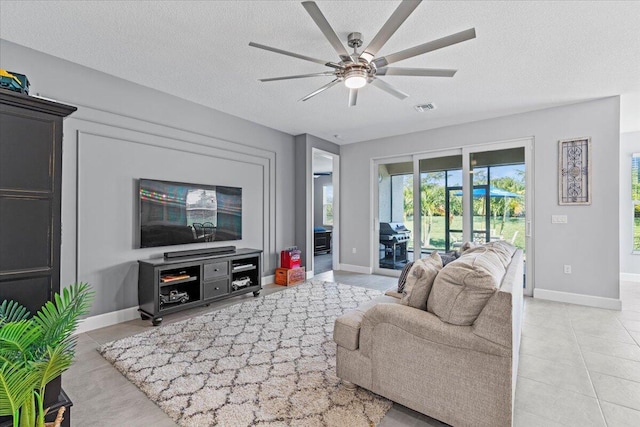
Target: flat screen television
x,y
177,213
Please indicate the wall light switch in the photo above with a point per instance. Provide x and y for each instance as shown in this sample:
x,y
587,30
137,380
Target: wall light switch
x,y
567,269
353,250
559,219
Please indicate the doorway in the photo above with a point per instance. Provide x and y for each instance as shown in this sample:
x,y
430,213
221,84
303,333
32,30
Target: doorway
x,y
325,218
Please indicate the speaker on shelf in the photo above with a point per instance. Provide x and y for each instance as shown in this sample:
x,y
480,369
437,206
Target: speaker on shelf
x,y
221,250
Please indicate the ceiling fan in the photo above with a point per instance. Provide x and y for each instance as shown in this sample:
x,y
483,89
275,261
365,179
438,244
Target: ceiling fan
x,y
357,70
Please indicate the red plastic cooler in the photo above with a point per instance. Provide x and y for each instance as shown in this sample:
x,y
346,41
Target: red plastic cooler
x,y
290,258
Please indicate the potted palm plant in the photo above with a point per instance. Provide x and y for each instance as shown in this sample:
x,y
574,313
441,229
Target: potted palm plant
x,y
36,350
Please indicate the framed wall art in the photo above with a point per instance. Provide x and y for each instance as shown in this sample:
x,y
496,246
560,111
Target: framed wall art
x,y
574,172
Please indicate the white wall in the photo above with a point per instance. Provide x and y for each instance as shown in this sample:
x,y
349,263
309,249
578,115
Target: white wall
x,y
384,194
629,262
123,131
589,242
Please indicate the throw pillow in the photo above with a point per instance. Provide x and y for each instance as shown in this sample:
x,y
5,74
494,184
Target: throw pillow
x,y
447,258
463,287
465,247
420,280
402,280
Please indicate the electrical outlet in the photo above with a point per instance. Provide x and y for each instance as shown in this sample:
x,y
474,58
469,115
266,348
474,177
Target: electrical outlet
x,y
353,250
567,269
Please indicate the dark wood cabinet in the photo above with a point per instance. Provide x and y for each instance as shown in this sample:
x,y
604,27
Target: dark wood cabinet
x,y
170,285
30,197
322,242
30,204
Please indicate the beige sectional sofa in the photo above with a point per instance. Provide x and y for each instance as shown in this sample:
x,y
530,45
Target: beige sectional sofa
x,y
457,361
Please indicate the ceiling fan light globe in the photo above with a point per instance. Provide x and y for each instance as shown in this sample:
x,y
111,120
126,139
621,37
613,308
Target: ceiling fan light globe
x,y
355,82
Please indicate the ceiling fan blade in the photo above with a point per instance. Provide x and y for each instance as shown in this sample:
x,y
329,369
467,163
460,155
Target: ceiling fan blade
x,y
389,89
420,72
426,47
322,89
299,76
317,16
295,55
393,23
353,97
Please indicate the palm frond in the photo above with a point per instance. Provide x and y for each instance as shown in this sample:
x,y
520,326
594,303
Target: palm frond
x,y
59,319
56,361
18,337
17,382
28,413
12,311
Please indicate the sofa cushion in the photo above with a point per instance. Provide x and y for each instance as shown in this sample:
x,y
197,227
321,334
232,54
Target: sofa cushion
x,y
402,280
463,287
503,249
420,280
393,292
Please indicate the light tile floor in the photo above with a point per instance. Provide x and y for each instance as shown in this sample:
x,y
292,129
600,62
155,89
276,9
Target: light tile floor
x,y
579,366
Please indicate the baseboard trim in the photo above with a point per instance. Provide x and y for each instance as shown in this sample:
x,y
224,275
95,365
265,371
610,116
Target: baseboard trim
x,y
630,277
588,300
309,275
355,269
268,280
107,319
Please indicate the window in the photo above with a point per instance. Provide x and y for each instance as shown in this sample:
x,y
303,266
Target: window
x,y
635,197
327,204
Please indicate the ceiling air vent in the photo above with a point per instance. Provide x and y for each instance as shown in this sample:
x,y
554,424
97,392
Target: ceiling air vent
x,y
424,107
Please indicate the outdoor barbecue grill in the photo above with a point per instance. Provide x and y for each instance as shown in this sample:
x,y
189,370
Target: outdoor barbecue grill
x,y
393,244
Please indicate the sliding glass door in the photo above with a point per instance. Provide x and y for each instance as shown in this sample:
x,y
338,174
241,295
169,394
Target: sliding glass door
x,y
438,201
501,179
499,196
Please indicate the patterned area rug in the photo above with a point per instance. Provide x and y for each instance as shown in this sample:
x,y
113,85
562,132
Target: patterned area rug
x,y
266,362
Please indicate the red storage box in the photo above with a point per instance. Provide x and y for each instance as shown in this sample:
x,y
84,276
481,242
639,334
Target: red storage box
x,y
290,258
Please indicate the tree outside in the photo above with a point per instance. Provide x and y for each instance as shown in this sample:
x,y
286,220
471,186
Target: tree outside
x,y
506,213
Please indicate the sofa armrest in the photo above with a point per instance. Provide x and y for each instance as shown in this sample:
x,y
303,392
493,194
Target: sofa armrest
x,y
424,325
500,320
346,331
494,321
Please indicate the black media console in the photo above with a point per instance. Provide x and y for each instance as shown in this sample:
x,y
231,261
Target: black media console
x,y
168,285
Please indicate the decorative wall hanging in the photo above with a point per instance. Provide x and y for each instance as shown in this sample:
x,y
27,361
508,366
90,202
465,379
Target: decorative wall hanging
x,y
574,172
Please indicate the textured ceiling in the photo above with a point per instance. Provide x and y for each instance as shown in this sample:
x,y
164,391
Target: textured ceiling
x,y
527,55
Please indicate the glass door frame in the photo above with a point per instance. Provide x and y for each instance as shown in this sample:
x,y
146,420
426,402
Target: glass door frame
x,y
375,203
447,215
467,207
417,223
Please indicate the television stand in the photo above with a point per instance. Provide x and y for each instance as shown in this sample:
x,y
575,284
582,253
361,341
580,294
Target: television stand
x,y
171,285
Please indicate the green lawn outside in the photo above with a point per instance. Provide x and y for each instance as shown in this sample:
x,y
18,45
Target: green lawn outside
x,y
636,235
510,227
